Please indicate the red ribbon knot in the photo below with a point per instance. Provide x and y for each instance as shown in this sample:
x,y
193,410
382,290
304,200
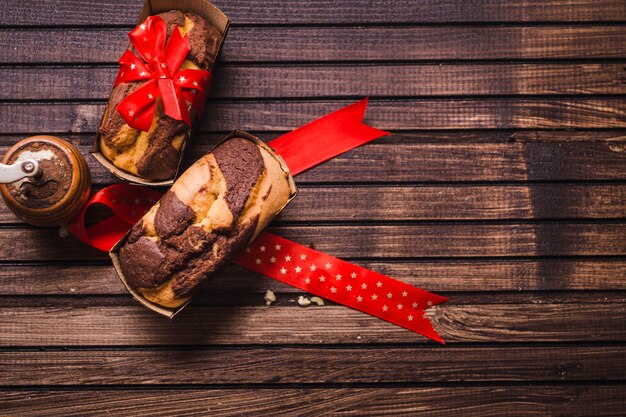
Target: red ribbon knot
x,y
159,66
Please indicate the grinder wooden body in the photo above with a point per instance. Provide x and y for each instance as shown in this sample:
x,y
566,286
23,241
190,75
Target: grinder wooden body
x,y
59,193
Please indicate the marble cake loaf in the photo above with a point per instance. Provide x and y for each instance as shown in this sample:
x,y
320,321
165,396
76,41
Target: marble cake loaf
x,y
212,211
154,155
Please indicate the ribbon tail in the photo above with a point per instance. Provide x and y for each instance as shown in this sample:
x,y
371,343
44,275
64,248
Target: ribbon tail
x,y
137,108
194,85
174,103
341,281
131,69
325,138
426,329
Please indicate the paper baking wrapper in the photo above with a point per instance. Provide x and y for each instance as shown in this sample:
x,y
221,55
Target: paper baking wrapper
x,y
171,312
200,7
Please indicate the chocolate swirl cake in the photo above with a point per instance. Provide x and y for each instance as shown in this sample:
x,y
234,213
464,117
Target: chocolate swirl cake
x,y
219,205
155,154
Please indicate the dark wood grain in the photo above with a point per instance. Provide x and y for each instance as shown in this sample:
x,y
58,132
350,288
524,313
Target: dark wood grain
x,y
457,276
287,365
537,201
438,276
253,296
502,186
84,140
448,202
485,401
380,162
135,325
413,240
277,81
118,12
487,113
384,161
386,43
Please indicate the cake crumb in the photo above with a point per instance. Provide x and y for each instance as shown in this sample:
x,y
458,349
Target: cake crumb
x,y
63,231
318,301
303,301
270,297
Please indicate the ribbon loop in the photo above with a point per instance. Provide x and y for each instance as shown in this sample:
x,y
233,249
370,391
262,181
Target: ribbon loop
x,y
160,66
148,38
127,202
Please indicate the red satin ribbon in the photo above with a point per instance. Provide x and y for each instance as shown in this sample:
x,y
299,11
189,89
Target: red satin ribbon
x,y
282,259
325,138
342,282
127,202
160,70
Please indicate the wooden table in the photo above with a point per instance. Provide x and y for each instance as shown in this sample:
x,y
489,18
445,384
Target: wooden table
x,y
503,186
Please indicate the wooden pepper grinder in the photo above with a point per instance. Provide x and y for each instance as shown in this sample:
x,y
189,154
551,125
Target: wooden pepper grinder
x,y
45,181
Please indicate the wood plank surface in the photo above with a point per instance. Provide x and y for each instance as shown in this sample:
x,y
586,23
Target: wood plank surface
x,y
118,12
502,186
537,201
431,114
136,326
385,161
84,140
289,365
301,81
253,296
447,202
439,276
358,43
380,162
484,401
404,240
452,163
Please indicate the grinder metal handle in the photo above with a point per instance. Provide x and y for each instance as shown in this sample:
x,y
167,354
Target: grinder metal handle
x,y
19,170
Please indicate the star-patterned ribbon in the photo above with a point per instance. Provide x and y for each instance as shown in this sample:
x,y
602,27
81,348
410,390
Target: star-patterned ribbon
x,y
342,282
159,66
282,259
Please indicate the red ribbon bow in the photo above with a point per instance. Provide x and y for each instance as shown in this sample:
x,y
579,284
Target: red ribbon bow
x,y
161,70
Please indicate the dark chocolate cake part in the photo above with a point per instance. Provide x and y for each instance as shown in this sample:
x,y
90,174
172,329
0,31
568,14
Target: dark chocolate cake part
x,y
172,217
241,164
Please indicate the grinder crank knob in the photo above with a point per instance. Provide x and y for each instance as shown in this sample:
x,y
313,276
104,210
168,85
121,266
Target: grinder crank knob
x,y
45,181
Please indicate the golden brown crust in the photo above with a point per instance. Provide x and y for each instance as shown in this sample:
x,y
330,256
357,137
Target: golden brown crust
x,y
212,211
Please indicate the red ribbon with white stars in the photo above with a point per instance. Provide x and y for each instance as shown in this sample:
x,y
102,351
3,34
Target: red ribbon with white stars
x,y
159,66
127,202
287,261
341,282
